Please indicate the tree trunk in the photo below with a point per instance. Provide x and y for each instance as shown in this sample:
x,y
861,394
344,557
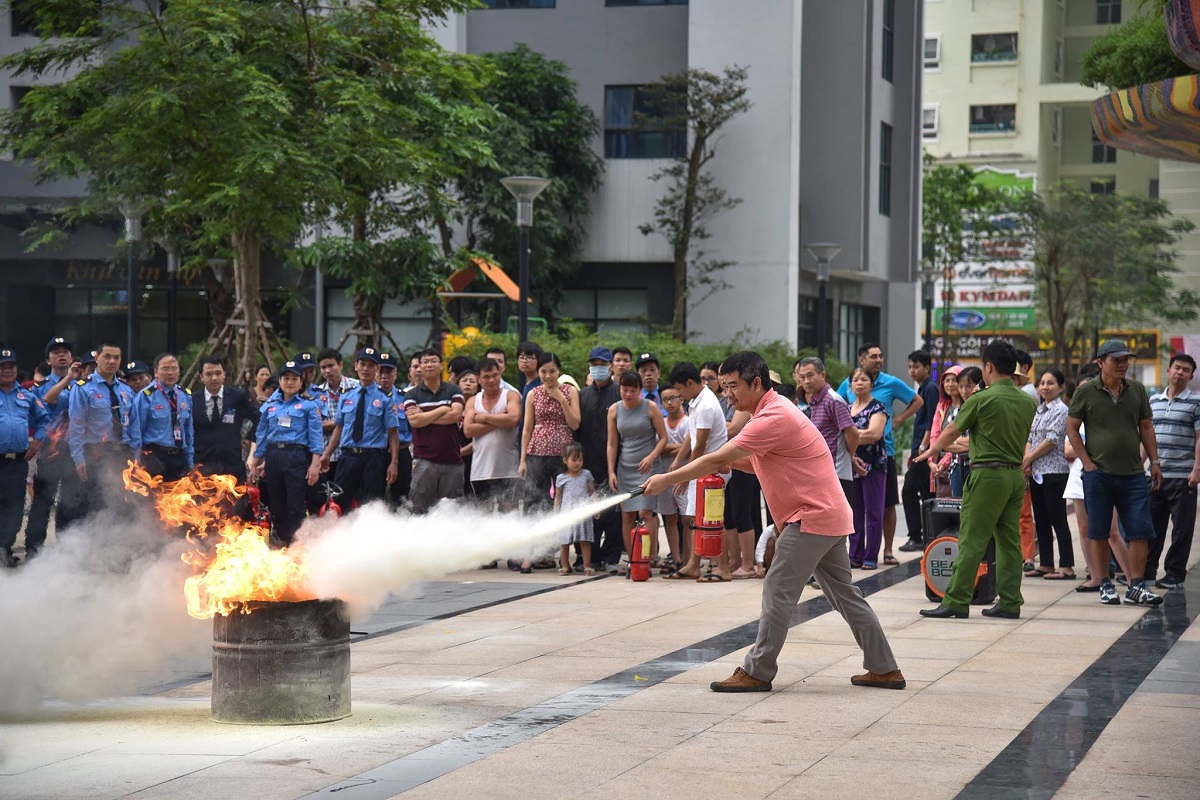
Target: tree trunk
x,y
683,237
247,269
368,316
220,295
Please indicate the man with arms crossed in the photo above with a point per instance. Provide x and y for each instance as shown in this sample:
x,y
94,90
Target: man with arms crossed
x,y
793,464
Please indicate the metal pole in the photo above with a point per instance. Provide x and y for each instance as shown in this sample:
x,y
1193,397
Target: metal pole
x,y
319,290
131,329
523,298
173,307
821,323
927,301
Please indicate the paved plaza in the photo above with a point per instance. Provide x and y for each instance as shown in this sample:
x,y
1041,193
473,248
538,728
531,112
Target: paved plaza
x,y
492,684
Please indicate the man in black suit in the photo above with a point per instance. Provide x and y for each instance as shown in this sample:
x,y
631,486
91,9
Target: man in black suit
x,y
219,418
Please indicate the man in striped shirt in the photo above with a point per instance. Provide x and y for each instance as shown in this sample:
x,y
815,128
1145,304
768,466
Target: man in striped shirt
x,y
1176,414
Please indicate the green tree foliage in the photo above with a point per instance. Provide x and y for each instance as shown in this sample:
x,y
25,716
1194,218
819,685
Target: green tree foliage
x,y
246,121
543,129
701,103
1102,261
954,206
1132,54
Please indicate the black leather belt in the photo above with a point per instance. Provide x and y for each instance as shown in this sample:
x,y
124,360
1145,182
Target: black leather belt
x,y
12,456
165,451
287,447
993,465
358,451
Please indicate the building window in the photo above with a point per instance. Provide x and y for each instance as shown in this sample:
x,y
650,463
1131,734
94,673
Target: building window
x,y
933,51
645,2
519,3
929,122
1056,127
993,47
1108,12
1059,57
993,119
857,326
1152,191
889,37
629,130
885,169
1104,185
607,310
23,21
807,329
1102,153
16,95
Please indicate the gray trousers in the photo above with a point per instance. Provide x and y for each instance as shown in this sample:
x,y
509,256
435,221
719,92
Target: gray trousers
x,y
798,555
432,482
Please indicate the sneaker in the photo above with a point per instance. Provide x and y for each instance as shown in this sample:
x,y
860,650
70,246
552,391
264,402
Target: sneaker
x,y
1139,595
1108,594
1169,583
912,546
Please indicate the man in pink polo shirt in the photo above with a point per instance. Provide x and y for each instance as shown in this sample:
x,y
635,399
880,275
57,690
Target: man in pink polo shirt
x,y
795,468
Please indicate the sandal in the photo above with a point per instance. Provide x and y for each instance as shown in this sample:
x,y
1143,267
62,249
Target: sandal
x,y
868,565
1060,575
565,570
678,575
1038,572
890,560
1027,566
856,565
712,577
589,571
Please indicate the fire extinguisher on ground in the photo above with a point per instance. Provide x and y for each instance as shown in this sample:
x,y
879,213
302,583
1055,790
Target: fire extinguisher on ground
x,y
639,552
709,519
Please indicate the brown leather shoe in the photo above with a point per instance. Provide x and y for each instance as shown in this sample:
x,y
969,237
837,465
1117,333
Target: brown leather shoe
x,y
740,681
888,680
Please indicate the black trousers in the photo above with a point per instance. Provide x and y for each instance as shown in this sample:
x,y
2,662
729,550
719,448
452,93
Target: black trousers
x,y
225,465
13,472
362,476
161,464
916,491
287,490
104,487
399,490
56,471
1050,519
609,543
1174,502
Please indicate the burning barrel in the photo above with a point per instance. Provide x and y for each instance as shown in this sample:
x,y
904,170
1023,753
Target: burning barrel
x,y
282,664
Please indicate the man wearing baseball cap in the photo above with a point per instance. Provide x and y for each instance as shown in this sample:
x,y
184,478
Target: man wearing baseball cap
x,y
54,466
366,434
137,375
648,368
1116,411
21,411
594,401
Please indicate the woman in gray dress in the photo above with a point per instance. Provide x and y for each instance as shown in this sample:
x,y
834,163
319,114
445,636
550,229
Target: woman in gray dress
x,y
635,431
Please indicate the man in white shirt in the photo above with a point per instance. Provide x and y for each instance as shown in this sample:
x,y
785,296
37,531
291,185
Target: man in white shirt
x,y
708,435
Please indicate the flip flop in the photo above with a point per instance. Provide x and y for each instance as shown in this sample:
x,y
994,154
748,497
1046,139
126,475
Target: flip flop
x,y
1060,576
678,575
712,577
890,561
867,565
1086,588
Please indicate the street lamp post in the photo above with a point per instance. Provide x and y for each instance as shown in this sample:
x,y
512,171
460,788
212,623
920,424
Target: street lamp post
x,y
132,208
525,189
928,277
823,252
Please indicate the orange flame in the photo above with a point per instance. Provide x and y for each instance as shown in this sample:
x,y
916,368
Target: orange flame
x,y
241,567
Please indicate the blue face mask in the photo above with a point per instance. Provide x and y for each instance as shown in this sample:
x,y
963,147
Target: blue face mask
x,y
598,373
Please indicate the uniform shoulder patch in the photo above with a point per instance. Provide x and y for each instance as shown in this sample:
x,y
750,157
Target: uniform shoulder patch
x,y
189,391
149,390
80,382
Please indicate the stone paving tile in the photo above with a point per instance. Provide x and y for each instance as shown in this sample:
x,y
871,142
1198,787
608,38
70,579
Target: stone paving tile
x,y
102,775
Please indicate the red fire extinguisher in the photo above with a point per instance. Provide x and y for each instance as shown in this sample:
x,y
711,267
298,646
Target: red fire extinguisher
x,y
639,552
709,522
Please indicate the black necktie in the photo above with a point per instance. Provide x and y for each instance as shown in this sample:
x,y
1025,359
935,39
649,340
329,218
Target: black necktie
x,y
116,411
216,415
176,435
356,432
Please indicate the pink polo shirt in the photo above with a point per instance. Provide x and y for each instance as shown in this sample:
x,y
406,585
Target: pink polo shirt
x,y
794,466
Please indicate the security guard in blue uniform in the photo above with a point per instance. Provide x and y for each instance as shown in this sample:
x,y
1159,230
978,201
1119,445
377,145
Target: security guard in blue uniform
x,y
21,412
160,428
388,372
288,447
365,435
99,410
308,364
54,467
137,375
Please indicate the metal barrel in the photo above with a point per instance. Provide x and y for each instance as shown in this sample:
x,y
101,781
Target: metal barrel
x,y
282,664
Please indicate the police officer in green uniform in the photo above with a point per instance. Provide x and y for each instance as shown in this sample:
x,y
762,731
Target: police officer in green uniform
x,y
998,420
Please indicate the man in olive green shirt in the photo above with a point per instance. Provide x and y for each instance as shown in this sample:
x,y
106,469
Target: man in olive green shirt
x,y
1116,411
998,420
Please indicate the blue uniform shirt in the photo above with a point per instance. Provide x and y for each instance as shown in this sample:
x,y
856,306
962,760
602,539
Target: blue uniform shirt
x,y
91,414
396,398
295,421
888,389
20,412
378,419
321,398
56,425
150,421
